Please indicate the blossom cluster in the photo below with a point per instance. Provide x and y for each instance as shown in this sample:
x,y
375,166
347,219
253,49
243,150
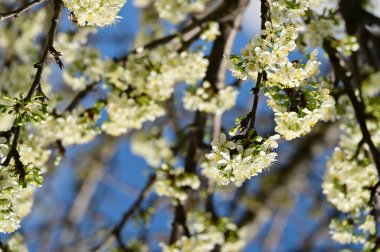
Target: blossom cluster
x,y
346,231
83,64
127,113
17,186
207,234
33,152
351,174
297,111
14,243
148,80
269,52
155,72
210,31
174,11
173,183
21,39
347,181
325,22
154,149
94,12
76,127
240,160
292,86
18,181
347,185
15,201
204,98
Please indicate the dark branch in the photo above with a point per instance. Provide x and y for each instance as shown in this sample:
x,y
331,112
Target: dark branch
x,y
116,231
265,17
20,10
358,105
179,219
224,10
80,96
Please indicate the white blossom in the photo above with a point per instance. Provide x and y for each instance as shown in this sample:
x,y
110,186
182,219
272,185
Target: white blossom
x,y
155,72
94,12
20,39
176,11
15,201
369,225
71,128
127,113
351,176
173,182
230,161
205,235
155,150
347,181
211,31
15,243
205,99
342,232
292,124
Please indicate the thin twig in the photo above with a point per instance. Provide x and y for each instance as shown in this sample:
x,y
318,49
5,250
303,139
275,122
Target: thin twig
x,y
255,91
115,232
20,10
265,16
80,96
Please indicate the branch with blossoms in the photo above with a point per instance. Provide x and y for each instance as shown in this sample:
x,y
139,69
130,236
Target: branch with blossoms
x,y
261,77
16,129
215,77
168,96
358,105
285,173
219,13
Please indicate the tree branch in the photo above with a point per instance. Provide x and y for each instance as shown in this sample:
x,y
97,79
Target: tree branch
x,y
116,231
226,9
265,16
358,105
179,219
20,10
215,75
80,96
